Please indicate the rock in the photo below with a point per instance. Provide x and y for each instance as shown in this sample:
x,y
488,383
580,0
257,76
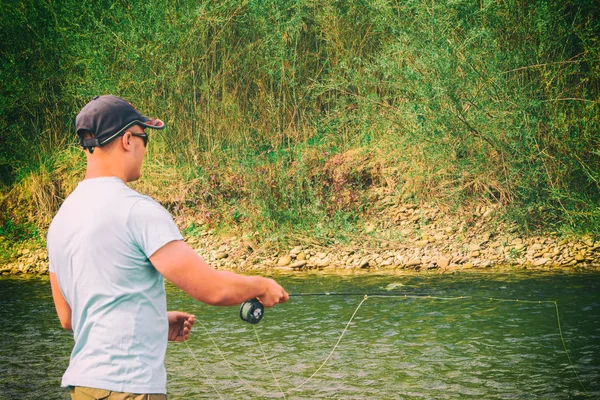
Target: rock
x,y
579,257
364,263
25,251
387,262
535,247
324,262
413,263
443,262
421,243
301,256
298,264
284,261
295,251
220,255
467,265
474,247
588,241
393,286
540,261
519,246
475,253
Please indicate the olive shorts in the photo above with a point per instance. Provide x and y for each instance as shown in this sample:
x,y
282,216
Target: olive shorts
x,y
86,393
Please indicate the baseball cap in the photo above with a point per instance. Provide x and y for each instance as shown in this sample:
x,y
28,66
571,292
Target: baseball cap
x,y
107,117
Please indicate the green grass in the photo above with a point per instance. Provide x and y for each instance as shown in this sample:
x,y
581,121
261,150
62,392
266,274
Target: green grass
x,y
283,115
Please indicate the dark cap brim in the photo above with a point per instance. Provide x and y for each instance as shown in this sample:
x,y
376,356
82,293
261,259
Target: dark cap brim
x,y
154,124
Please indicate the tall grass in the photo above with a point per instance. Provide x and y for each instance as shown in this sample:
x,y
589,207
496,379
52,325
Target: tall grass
x,y
283,114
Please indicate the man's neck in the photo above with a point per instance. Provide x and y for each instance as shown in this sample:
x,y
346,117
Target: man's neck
x,y
98,170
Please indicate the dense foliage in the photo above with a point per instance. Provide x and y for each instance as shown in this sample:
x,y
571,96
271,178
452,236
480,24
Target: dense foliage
x,y
284,112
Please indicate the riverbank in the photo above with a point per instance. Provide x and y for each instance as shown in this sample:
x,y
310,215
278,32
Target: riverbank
x,y
396,238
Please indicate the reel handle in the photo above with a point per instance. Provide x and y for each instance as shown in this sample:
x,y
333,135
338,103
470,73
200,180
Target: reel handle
x,y
252,311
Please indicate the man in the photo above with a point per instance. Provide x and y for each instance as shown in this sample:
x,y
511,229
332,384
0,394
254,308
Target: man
x,y
109,248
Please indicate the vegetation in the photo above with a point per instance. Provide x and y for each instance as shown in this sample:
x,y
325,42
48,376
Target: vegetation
x,y
283,114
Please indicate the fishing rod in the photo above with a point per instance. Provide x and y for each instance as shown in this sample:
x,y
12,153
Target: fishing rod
x,y
252,310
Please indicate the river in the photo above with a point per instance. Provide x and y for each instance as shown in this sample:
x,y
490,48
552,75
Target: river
x,y
456,344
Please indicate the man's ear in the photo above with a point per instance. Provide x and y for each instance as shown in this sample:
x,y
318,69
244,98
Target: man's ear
x,y
126,140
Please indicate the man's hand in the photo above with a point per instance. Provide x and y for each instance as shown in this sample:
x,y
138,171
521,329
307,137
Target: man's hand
x,y
274,294
180,325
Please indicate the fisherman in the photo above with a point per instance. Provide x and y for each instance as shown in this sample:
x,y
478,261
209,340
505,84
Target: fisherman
x,y
110,249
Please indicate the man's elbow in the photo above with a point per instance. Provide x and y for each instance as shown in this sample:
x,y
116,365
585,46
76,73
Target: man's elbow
x,y
66,324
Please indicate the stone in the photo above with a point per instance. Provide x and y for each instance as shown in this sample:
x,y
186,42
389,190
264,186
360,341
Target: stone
x,y
387,262
588,241
540,261
324,262
413,262
298,264
579,257
443,262
301,256
535,247
475,253
467,265
220,255
421,243
474,247
295,251
284,261
519,246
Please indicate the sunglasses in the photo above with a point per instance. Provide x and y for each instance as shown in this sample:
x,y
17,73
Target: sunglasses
x,y
144,137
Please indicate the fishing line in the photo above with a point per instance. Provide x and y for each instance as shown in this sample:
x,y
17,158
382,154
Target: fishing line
x,y
332,350
249,313
267,361
260,391
203,370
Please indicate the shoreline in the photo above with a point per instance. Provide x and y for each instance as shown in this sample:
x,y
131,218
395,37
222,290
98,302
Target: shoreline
x,y
399,238
537,253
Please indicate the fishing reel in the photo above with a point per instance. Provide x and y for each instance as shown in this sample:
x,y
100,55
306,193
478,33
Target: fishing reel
x,y
252,311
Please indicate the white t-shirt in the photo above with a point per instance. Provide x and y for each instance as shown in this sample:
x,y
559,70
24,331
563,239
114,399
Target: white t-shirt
x,y
99,244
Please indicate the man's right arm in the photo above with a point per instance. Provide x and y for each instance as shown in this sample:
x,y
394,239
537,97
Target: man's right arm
x,y
180,264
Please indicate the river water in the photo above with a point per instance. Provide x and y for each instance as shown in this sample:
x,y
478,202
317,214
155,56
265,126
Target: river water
x,y
395,348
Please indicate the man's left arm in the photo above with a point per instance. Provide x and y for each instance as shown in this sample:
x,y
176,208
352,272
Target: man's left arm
x,y
63,309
